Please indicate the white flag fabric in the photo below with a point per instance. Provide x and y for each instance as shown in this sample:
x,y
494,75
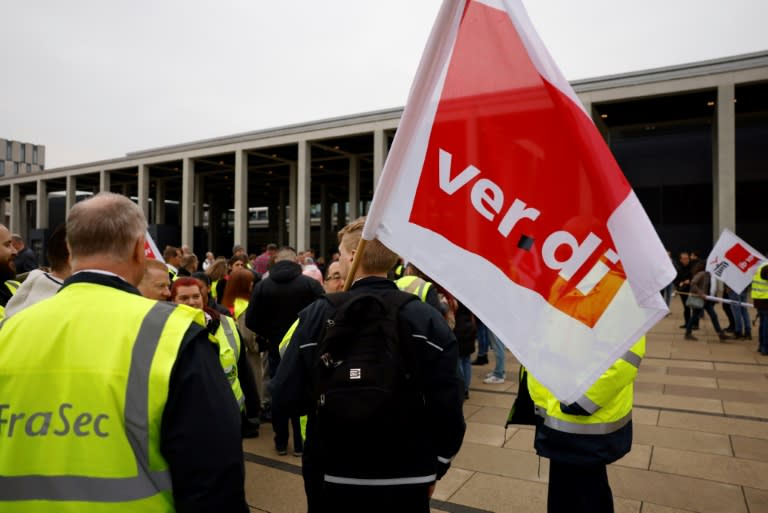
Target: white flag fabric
x,y
733,261
500,188
150,248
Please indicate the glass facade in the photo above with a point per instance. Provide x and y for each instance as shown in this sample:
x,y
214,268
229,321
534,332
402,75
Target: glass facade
x,y
664,147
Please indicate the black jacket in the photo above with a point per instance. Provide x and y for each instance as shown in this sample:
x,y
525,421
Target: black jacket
x,y
683,275
433,440
465,330
277,300
25,261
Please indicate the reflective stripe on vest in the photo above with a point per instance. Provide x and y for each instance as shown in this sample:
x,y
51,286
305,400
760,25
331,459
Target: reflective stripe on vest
x,y
395,481
759,285
229,359
582,429
230,335
98,489
414,285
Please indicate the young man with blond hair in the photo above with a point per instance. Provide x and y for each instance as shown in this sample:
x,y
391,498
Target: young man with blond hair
x,y
395,469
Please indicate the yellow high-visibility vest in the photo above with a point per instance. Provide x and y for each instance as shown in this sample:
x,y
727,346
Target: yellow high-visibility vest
x,y
759,285
91,442
229,344
414,285
608,400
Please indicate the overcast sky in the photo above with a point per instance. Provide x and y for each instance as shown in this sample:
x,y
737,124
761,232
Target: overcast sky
x,y
95,79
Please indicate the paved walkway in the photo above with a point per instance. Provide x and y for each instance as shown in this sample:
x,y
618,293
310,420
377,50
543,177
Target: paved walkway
x,y
700,445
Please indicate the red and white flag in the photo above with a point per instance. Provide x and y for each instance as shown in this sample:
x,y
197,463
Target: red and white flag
x,y
733,261
499,187
150,248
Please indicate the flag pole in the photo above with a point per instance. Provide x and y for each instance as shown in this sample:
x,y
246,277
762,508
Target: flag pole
x,y
355,262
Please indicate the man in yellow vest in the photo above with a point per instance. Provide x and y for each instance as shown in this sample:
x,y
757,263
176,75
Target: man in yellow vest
x,y
122,405
425,290
7,271
760,300
581,438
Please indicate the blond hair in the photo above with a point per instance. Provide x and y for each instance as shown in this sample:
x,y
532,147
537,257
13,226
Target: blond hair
x,y
377,258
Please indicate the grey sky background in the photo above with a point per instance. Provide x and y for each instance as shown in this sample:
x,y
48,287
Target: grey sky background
x,y
94,79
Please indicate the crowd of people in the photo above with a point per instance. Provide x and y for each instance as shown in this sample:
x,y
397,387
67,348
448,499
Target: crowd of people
x,y
166,366
693,284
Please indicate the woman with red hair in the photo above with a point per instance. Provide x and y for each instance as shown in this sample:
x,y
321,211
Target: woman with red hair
x,y
238,292
186,291
236,297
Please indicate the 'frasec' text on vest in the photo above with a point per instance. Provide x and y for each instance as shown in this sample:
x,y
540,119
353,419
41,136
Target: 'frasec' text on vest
x,y
40,423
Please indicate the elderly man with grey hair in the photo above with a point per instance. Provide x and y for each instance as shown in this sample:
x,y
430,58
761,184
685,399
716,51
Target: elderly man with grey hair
x,y
122,404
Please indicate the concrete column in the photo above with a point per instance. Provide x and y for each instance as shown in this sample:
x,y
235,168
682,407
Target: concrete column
x,y
104,181
71,193
303,197
187,195
354,190
143,189
24,219
281,203
341,214
199,200
15,221
41,205
724,162
380,150
293,176
160,202
212,223
241,198
325,220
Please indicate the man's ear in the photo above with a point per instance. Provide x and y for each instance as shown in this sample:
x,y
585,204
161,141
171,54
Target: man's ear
x,y
138,255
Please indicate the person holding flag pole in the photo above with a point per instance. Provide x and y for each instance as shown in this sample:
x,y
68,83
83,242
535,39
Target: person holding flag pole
x,y
497,166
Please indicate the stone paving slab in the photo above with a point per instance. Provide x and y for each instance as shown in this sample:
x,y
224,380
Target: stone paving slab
x,y
750,448
679,403
738,408
658,436
714,424
674,364
723,394
713,467
757,500
683,492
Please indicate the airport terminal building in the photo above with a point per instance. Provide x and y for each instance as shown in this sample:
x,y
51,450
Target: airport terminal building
x,y
691,139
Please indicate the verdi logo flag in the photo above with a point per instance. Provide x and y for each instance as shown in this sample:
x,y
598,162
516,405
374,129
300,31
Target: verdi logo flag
x,y
500,188
150,248
733,261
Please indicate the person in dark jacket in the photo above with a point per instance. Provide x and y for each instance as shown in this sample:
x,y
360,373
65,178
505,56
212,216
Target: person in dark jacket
x,y
274,305
25,260
683,284
403,478
466,334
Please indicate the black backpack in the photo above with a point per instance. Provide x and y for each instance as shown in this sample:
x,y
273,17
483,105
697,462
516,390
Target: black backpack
x,y
366,384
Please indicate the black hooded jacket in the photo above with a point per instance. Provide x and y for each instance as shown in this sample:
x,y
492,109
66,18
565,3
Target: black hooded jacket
x,y
277,300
